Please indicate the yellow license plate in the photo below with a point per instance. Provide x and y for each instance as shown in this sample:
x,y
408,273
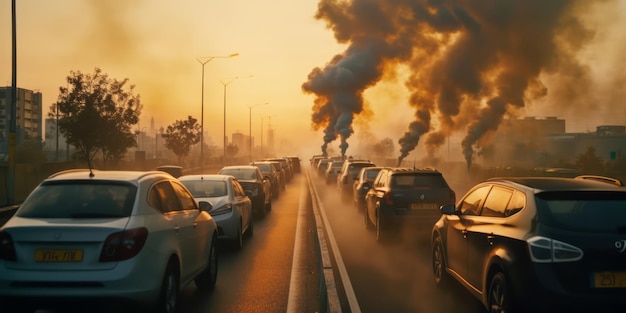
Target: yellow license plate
x,y
609,280
58,255
423,206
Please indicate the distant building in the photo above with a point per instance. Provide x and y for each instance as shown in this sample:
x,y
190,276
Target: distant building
x,y
28,119
542,142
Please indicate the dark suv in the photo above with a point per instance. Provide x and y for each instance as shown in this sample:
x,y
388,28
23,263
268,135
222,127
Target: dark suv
x,y
348,174
406,199
531,244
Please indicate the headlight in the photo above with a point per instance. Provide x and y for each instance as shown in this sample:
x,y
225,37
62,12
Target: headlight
x,y
226,208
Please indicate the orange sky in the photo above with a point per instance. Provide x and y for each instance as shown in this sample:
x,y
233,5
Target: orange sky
x,y
155,44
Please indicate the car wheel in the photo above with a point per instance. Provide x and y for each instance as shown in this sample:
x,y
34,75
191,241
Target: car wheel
x,y
366,220
207,279
250,230
380,233
439,263
499,295
168,298
237,243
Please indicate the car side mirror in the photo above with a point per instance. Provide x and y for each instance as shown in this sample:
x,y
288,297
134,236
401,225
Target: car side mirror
x,y
205,206
448,209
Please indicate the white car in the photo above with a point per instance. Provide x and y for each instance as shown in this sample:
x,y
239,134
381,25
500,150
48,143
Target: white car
x,y
124,235
232,206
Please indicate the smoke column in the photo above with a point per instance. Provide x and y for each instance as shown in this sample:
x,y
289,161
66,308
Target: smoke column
x,y
471,63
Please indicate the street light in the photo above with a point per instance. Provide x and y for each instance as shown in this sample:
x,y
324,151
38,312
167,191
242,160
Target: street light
x,y
225,84
250,126
203,61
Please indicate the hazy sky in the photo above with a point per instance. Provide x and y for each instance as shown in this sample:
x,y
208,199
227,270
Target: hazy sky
x,y
155,43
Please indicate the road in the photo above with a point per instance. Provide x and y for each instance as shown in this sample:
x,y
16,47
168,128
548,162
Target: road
x,y
376,277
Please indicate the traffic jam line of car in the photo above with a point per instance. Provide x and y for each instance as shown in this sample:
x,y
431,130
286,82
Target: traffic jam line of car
x,y
517,244
134,236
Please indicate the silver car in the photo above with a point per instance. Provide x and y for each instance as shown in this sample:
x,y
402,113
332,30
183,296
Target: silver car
x,y
123,235
232,207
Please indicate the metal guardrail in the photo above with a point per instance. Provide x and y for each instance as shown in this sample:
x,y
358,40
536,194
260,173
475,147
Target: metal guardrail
x,y
6,213
329,296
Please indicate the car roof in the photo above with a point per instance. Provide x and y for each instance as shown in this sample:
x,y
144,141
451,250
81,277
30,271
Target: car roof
x,y
130,176
204,177
540,184
246,167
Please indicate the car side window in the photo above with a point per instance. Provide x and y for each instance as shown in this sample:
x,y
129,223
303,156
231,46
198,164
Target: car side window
x,y
471,204
187,201
163,197
237,190
517,203
496,202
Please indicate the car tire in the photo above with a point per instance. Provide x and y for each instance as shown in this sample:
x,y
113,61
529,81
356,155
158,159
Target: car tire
x,y
207,279
250,231
499,296
169,295
381,235
439,263
366,220
237,243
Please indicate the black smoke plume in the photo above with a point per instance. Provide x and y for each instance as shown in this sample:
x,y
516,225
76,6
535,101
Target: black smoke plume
x,y
472,63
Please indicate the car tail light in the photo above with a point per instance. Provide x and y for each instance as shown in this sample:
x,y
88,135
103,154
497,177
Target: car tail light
x,y
123,245
387,198
7,251
226,208
546,250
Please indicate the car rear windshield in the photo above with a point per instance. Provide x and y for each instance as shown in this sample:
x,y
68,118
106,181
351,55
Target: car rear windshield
x,y
418,180
206,188
265,168
79,199
354,169
371,174
240,174
590,211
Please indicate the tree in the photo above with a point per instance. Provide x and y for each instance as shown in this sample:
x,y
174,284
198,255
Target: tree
x,y
384,148
180,136
589,162
97,113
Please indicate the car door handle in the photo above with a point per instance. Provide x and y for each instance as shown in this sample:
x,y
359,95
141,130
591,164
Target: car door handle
x,y
195,224
464,232
490,239
176,228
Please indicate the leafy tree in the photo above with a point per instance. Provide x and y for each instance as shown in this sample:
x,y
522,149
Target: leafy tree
x,y
384,148
589,162
97,113
180,136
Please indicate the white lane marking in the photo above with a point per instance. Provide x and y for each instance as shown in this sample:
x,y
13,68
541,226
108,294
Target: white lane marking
x,y
297,298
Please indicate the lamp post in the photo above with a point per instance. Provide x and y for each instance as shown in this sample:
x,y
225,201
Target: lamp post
x,y
203,61
225,84
250,127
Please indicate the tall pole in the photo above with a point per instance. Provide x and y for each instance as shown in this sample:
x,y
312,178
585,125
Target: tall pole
x,y
12,122
204,61
225,84
250,128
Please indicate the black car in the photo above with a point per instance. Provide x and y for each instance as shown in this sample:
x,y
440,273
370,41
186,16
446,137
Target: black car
x,y
253,181
531,244
406,199
269,171
362,184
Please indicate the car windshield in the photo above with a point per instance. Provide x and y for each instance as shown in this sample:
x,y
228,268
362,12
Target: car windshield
x,y
584,211
240,173
411,181
79,199
206,188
